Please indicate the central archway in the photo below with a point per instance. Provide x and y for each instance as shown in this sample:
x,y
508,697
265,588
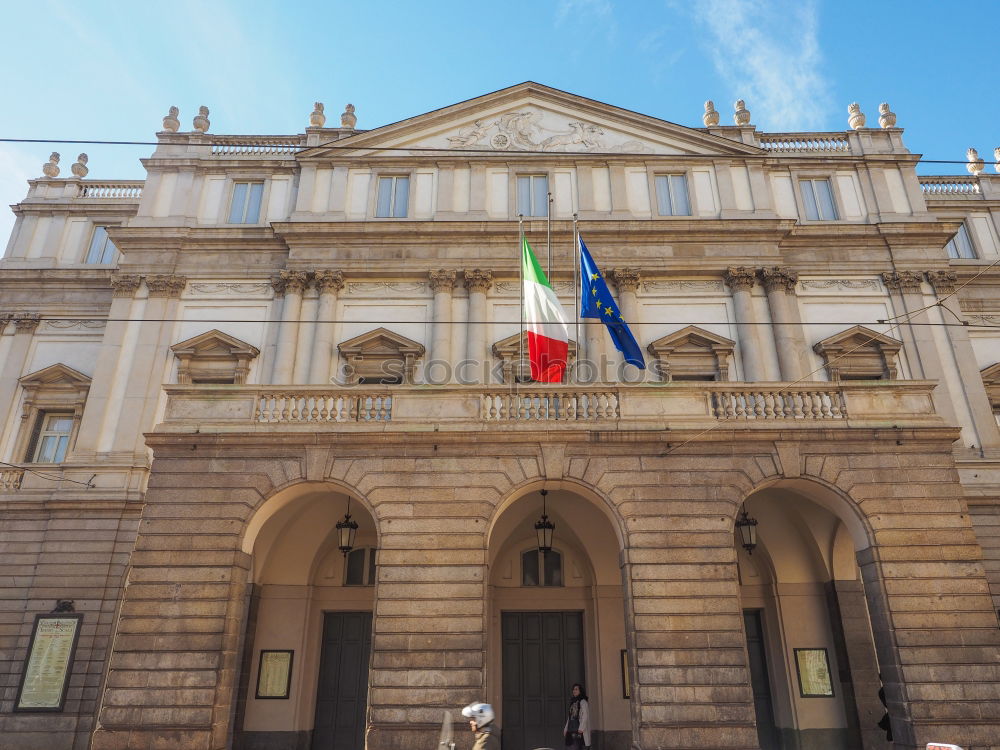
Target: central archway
x,y
556,619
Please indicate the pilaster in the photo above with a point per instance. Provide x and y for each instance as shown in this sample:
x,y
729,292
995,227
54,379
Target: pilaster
x,y
440,362
478,282
779,283
741,280
291,286
325,355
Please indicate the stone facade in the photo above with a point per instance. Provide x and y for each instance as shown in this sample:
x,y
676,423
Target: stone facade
x,y
294,328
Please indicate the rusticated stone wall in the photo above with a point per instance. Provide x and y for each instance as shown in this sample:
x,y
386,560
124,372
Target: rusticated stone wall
x,y
173,672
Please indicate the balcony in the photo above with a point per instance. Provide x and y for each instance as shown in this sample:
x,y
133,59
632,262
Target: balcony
x,y
264,409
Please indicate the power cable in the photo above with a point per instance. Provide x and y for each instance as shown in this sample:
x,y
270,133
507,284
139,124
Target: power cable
x,y
51,477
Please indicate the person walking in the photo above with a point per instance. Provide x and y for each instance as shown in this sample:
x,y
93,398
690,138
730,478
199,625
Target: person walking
x,y
577,729
480,716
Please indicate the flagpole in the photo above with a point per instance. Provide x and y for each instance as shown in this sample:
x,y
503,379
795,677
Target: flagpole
x,y
516,372
577,290
548,234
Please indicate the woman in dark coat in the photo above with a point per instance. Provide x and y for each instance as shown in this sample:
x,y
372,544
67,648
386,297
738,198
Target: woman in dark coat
x,y
577,729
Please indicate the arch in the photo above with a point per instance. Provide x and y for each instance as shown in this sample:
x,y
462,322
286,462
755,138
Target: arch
x,y
568,484
282,496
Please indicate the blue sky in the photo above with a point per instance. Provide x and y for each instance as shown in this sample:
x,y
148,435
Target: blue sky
x,y
109,71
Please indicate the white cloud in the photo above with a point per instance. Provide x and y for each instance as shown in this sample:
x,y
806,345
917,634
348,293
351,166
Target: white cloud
x,y
769,54
16,168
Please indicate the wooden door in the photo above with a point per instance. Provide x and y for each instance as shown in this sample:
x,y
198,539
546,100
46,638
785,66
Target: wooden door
x,y
542,658
342,696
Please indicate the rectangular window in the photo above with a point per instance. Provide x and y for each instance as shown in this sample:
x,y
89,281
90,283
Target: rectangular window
x,y
51,438
672,195
393,197
818,200
360,567
102,249
245,208
960,246
533,195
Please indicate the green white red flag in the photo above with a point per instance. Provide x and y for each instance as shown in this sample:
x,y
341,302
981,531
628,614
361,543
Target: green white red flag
x,y
545,321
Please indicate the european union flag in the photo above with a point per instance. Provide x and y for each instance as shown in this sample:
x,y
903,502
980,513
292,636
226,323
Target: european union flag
x,y
596,302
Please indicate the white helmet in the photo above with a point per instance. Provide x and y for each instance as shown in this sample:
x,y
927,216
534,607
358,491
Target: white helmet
x,y
481,713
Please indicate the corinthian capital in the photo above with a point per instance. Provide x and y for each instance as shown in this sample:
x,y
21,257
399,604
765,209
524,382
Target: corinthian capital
x,y
26,322
905,281
290,281
124,284
4,320
777,277
740,278
164,285
478,280
626,279
328,281
942,281
442,280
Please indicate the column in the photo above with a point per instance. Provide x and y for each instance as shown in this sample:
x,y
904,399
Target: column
x,y
740,280
17,354
478,283
965,359
291,285
106,374
328,284
627,282
918,339
442,284
779,283
306,335
145,379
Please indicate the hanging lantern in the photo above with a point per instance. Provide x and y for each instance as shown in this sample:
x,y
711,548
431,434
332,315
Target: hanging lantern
x,y
747,526
346,531
544,528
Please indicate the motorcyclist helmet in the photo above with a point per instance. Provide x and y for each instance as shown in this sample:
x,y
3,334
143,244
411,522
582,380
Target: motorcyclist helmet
x,y
481,713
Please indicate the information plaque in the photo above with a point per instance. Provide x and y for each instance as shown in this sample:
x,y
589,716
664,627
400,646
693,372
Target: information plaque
x,y
45,677
813,666
274,675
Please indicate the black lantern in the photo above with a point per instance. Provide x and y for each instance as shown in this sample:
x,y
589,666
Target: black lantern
x,y
346,531
747,526
544,528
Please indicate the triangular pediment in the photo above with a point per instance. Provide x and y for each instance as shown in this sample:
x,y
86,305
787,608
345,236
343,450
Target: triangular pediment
x,y
53,376
214,343
380,342
991,375
511,347
532,118
691,339
858,337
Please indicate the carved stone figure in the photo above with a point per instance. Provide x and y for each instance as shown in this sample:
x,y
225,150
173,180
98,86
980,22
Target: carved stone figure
x,y
886,118
975,165
348,119
51,167
855,117
742,115
170,123
580,132
201,121
470,134
317,118
520,127
80,168
711,117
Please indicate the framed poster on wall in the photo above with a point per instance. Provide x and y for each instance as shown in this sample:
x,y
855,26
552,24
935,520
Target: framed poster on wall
x,y
274,674
49,662
813,667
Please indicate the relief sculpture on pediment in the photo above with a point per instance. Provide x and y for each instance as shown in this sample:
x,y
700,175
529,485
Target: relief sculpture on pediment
x,y
524,131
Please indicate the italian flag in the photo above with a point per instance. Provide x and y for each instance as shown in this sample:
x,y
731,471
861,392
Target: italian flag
x,y
545,320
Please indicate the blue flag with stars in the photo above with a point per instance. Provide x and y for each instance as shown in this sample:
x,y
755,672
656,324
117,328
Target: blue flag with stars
x,y
596,302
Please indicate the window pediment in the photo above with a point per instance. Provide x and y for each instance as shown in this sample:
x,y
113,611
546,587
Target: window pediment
x,y
508,351
381,356
53,392
991,379
692,353
213,357
859,353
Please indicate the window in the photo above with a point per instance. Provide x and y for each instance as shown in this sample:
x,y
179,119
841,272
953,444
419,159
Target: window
x,y
859,353
360,568
380,357
245,208
533,195
393,197
213,357
102,249
692,354
818,200
51,438
960,246
541,570
672,195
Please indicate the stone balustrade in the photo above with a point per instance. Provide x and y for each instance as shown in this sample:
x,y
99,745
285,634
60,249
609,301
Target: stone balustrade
x,y
823,143
10,479
949,185
220,408
117,190
256,147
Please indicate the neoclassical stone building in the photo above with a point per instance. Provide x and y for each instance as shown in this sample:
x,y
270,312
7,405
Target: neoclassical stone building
x,y
202,373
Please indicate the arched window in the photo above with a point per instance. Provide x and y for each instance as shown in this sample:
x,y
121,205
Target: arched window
x,y
541,569
359,569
